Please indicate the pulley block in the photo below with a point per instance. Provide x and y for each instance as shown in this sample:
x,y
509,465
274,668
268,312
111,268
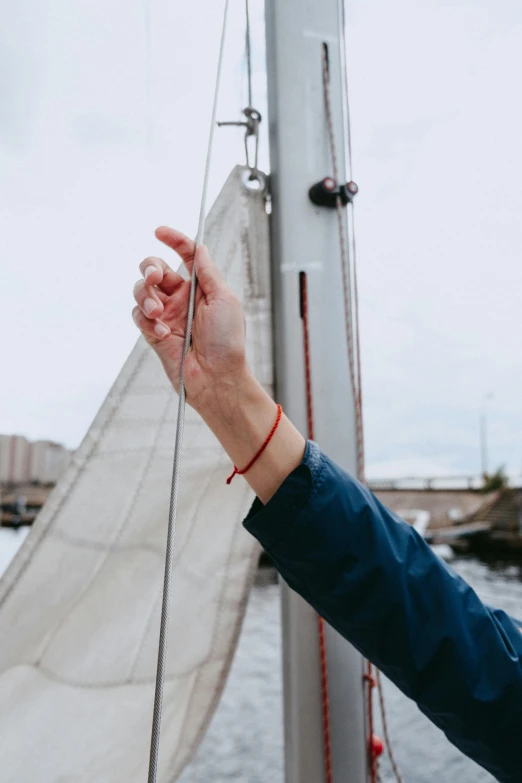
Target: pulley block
x,y
327,192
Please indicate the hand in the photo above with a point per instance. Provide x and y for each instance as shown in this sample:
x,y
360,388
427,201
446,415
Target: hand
x,y
216,359
218,381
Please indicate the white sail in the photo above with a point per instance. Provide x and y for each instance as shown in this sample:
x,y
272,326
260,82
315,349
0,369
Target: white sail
x,y
80,603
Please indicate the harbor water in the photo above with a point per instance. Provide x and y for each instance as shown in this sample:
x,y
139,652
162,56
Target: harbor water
x,y
244,742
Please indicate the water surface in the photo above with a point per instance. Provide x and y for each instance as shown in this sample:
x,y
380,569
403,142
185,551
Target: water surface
x,y
244,742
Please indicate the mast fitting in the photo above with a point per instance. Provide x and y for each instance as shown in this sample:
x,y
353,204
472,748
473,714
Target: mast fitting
x,y
327,193
251,126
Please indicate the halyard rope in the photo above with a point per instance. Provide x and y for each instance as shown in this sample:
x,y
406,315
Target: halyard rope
x,y
372,758
345,265
354,362
169,556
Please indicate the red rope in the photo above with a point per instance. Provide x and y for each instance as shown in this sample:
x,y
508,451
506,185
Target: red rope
x,y
308,372
328,775
325,705
238,472
372,758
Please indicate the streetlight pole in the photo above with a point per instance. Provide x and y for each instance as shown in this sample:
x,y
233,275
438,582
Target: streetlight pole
x,y
484,444
484,435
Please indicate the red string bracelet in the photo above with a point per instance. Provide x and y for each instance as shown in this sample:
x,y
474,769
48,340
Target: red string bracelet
x,y
263,447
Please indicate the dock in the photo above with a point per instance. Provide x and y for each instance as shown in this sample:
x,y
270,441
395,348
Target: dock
x,y
20,504
444,534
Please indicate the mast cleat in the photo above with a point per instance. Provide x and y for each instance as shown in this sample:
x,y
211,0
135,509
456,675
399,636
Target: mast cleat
x,y
327,193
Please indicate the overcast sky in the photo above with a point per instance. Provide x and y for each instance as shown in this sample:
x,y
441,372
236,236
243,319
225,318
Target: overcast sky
x,y
104,112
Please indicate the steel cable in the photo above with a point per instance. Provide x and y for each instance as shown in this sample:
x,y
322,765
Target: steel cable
x,y
169,555
248,51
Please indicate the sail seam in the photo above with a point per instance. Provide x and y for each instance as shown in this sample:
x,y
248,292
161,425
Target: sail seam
x,y
229,657
102,559
138,681
176,559
43,525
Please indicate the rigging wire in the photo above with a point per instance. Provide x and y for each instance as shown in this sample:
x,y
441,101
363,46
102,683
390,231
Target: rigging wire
x,y
248,52
253,117
346,94
345,260
169,555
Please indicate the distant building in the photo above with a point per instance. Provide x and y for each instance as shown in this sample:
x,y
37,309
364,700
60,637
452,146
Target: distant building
x,y
48,461
15,459
23,462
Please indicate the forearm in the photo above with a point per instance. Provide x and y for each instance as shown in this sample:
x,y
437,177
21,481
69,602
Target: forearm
x,y
241,414
372,577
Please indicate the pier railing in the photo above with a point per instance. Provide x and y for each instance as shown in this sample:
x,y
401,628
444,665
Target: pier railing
x,y
461,482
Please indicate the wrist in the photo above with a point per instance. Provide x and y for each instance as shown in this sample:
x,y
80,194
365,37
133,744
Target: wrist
x,y
241,414
220,400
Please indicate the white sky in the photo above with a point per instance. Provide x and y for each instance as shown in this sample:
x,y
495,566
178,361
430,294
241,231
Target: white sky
x,y
102,138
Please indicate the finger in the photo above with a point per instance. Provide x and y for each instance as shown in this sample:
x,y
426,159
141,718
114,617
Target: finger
x,y
148,299
153,330
157,272
209,277
181,244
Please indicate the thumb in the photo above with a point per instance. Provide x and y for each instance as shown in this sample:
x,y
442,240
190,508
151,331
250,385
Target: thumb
x,y
209,277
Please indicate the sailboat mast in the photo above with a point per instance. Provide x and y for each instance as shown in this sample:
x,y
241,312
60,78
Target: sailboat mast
x,y
305,239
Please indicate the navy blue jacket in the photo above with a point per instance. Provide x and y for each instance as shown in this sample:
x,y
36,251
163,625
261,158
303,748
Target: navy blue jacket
x,y
375,580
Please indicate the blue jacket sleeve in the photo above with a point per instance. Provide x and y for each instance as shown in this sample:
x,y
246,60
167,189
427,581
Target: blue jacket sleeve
x,y
375,580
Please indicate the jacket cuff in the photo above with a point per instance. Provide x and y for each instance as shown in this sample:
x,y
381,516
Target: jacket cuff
x,y
270,522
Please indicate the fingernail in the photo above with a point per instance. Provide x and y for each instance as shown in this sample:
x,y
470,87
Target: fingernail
x,y
161,330
149,271
149,305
